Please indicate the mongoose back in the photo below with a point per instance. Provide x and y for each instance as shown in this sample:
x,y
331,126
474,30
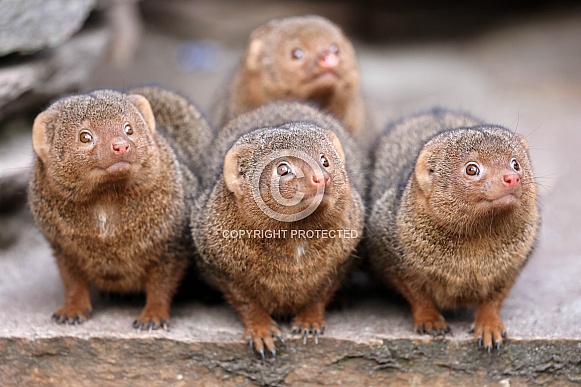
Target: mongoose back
x,y
305,58
280,222
453,217
111,197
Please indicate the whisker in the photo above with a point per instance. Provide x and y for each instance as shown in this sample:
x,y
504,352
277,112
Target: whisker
x,y
515,131
532,132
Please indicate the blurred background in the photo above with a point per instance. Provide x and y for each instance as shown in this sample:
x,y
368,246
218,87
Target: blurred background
x,y
513,63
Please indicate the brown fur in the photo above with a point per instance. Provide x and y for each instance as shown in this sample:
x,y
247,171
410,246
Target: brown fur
x,y
122,227
268,71
281,275
446,239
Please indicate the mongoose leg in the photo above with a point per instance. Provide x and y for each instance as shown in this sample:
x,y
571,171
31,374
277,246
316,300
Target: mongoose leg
x,y
427,319
259,328
77,306
160,287
488,327
311,319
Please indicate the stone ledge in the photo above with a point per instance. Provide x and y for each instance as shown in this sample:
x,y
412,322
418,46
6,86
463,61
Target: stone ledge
x,y
162,361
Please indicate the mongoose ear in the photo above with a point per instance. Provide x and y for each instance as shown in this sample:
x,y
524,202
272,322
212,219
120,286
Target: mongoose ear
x,y
253,54
337,144
39,143
232,172
423,171
142,104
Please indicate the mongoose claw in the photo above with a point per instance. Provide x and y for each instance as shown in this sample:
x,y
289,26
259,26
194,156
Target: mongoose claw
x,y
490,334
150,325
427,320
151,321
443,331
71,315
262,337
434,328
281,339
305,328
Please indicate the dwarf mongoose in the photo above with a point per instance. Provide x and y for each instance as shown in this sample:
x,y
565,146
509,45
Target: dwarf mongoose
x,y
306,58
453,217
111,196
279,224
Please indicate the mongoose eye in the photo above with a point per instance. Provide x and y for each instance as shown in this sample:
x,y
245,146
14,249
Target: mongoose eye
x,y
297,53
85,136
334,49
472,169
128,129
515,165
324,161
283,169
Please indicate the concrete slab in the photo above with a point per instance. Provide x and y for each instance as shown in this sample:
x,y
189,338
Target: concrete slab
x,y
526,77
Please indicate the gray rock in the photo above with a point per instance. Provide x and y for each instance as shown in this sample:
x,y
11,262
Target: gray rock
x,y
30,25
59,70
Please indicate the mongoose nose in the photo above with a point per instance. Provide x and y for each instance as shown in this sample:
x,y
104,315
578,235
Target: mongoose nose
x,y
120,147
322,180
511,181
328,60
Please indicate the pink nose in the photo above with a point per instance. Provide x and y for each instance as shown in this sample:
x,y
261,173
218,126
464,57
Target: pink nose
x,y
120,147
511,181
328,60
321,180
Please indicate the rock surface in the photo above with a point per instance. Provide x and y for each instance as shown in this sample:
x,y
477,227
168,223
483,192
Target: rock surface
x,y
32,79
31,25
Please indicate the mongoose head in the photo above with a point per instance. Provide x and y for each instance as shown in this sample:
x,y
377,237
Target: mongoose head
x,y
288,173
302,58
467,175
87,142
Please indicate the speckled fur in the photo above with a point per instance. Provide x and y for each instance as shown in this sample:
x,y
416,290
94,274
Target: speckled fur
x,y
125,235
439,248
178,116
278,275
267,72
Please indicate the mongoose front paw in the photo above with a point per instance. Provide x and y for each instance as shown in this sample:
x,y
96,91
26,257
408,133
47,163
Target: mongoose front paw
x,y
151,319
305,325
261,334
72,314
432,323
489,332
